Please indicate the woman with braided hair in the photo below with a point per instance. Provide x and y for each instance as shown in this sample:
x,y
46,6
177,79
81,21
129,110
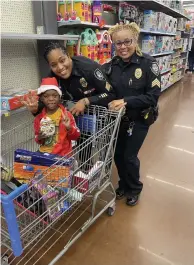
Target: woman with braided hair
x,y
135,77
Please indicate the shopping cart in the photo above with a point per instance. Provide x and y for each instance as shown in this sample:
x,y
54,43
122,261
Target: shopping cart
x,y
30,227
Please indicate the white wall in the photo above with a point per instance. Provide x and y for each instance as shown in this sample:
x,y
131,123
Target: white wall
x,y
19,64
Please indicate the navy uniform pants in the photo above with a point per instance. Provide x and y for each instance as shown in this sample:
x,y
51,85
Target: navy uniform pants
x,y
126,160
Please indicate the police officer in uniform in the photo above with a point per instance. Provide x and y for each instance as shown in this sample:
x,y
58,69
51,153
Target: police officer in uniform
x,y
135,77
79,78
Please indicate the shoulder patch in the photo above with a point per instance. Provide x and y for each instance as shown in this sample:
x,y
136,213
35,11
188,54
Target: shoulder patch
x,y
156,82
99,75
155,69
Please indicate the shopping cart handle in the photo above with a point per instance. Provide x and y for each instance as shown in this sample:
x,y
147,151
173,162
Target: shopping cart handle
x,y
14,193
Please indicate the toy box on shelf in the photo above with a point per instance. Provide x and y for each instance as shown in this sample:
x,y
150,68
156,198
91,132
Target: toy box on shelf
x,y
72,45
130,13
148,44
96,11
165,80
89,44
164,44
104,46
164,63
158,21
11,99
74,10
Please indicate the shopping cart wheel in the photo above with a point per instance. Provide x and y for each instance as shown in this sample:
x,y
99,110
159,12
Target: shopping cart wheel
x,y
111,211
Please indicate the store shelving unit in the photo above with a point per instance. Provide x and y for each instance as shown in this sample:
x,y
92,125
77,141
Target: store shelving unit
x,y
162,54
144,5
82,24
163,89
23,36
166,71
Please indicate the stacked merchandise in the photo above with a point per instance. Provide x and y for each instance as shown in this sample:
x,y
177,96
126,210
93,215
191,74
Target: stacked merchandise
x,y
53,185
94,45
164,63
86,11
157,44
158,21
130,13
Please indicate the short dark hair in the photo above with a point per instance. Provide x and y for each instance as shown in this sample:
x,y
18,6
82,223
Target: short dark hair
x,y
52,46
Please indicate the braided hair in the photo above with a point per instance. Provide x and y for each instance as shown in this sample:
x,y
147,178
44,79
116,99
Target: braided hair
x,y
53,46
133,28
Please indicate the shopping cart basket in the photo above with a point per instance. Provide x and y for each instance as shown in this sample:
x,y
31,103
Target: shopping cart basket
x,y
30,230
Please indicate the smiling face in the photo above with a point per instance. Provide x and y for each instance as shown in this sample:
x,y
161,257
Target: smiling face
x,y
125,44
60,63
51,99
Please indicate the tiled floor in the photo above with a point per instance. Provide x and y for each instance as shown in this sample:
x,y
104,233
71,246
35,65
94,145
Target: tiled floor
x,y
160,230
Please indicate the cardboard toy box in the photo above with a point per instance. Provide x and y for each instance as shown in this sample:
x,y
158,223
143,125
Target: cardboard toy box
x,y
10,99
83,182
148,44
150,20
54,170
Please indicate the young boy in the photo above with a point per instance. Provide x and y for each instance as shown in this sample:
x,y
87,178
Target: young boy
x,y
54,127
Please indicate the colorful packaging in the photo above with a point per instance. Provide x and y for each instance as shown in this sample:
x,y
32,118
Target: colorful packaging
x,y
56,170
96,12
150,20
10,99
128,12
148,44
83,182
76,10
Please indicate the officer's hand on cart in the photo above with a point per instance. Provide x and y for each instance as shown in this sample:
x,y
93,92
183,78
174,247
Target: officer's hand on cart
x,y
117,104
31,102
79,107
66,121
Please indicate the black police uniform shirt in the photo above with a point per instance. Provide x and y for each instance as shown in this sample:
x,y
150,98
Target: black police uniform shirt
x,y
138,82
87,80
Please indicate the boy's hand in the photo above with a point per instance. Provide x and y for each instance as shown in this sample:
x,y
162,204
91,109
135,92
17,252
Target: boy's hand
x,y
42,136
66,121
31,102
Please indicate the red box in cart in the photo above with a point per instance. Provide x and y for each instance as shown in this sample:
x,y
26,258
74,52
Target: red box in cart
x,y
82,182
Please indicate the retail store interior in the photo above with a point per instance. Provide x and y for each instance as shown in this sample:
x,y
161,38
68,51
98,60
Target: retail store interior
x,y
54,213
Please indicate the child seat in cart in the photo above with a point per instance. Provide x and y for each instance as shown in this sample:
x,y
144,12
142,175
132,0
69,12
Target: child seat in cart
x,y
52,207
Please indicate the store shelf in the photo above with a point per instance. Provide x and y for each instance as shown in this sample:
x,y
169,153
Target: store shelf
x,y
174,57
177,48
157,32
165,71
82,24
8,113
171,84
161,54
23,36
160,7
96,25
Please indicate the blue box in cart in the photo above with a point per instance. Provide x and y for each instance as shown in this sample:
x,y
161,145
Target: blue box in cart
x,y
56,170
43,159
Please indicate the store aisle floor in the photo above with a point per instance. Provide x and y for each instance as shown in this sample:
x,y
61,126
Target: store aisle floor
x,y
160,230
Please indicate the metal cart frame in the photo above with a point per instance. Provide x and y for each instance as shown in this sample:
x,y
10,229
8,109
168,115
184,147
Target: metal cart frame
x,y
87,189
